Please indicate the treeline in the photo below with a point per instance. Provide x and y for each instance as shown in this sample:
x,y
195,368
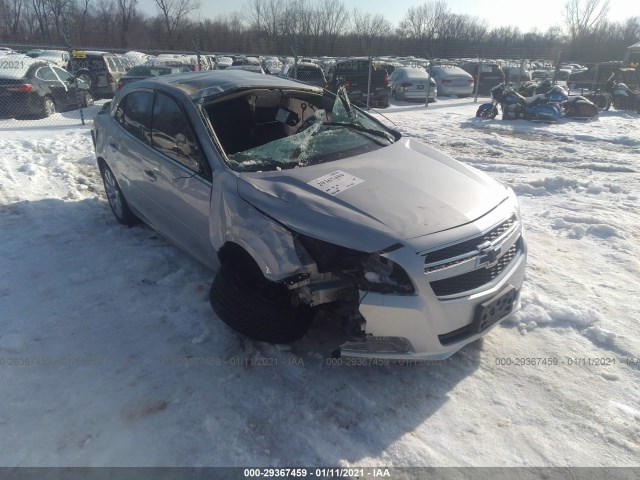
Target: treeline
x,y
306,27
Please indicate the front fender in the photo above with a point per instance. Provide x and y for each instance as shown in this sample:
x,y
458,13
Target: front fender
x,y
233,220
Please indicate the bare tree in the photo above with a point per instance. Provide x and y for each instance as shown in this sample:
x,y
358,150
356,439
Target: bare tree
x,y
56,9
367,27
12,13
173,13
126,11
335,21
581,16
83,7
423,22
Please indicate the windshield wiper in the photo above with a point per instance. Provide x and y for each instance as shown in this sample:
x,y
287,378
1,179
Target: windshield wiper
x,y
360,128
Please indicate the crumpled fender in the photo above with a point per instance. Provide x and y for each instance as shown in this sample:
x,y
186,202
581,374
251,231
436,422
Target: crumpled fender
x,y
234,220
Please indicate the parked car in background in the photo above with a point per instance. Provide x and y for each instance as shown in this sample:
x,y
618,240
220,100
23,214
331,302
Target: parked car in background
x,y
223,62
412,83
562,74
516,74
452,80
306,73
144,71
594,76
32,87
302,202
100,70
540,74
485,74
353,74
57,57
247,67
274,64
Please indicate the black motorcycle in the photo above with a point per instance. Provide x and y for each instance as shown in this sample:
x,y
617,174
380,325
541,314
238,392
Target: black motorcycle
x,y
620,95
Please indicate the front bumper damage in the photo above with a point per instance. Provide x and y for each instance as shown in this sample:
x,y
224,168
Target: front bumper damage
x,y
433,326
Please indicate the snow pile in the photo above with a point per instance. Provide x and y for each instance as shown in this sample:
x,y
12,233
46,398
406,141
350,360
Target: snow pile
x,y
110,354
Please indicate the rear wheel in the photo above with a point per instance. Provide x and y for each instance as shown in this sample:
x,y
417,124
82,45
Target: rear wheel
x,y
117,202
256,307
48,106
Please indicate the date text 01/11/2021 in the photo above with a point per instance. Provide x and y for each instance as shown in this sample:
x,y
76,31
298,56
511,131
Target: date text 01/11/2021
x,y
317,472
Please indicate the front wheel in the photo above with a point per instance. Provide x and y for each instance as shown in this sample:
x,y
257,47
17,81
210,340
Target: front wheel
x,y
87,99
256,307
487,111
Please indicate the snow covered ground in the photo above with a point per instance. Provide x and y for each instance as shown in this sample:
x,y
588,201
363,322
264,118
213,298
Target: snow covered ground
x,y
110,354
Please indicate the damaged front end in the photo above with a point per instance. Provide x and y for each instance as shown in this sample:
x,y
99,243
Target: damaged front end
x,y
323,207
340,276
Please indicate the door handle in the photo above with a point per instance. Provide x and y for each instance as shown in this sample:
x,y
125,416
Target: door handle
x,y
114,145
151,174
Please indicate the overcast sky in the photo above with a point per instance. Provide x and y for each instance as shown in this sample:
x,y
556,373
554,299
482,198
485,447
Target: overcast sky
x,y
539,14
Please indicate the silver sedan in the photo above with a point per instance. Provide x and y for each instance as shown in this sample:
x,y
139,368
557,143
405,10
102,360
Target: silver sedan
x,y
301,202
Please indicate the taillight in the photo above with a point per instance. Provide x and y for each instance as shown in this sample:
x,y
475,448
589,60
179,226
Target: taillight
x,y
347,84
386,78
109,78
19,88
406,84
472,80
120,84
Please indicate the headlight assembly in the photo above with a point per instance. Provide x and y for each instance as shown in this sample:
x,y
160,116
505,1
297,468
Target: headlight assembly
x,y
381,275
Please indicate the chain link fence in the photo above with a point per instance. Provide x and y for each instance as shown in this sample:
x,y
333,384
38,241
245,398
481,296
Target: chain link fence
x,y
67,86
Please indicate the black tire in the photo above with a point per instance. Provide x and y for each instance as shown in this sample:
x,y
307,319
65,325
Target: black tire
x,y
86,78
253,306
48,106
489,113
87,99
117,202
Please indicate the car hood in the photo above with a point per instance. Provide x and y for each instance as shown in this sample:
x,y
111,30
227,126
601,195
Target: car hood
x,y
377,199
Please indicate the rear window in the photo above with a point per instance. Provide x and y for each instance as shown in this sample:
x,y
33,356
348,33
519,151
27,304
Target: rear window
x,y
417,73
95,63
309,73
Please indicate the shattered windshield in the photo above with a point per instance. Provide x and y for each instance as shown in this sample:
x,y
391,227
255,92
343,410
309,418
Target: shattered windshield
x,y
267,130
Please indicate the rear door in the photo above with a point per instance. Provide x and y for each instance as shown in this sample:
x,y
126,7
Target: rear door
x,y
53,86
67,80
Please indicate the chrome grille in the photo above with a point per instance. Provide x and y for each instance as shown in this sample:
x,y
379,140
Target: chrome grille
x,y
476,278
466,247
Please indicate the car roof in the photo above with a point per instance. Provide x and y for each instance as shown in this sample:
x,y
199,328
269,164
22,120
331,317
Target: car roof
x,y
219,82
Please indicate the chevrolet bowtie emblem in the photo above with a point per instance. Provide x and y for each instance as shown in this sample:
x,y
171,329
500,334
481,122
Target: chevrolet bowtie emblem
x,y
488,254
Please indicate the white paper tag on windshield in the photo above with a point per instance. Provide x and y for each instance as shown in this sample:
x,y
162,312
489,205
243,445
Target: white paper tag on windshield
x,y
335,182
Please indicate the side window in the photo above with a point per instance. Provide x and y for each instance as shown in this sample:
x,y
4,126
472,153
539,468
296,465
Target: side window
x,y
62,74
119,113
136,117
45,73
172,134
111,64
119,63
